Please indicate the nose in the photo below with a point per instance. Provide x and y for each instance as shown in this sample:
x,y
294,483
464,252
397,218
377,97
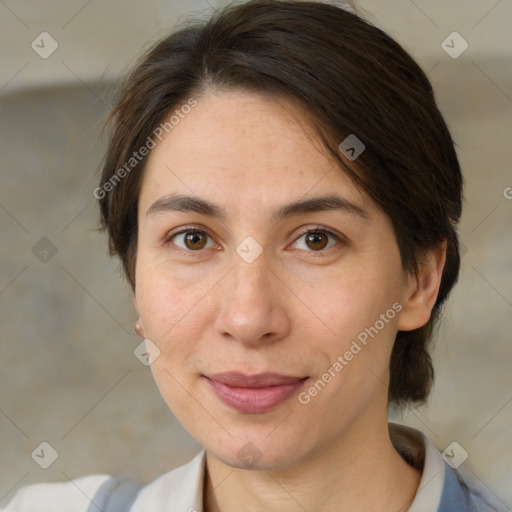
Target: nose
x,y
252,304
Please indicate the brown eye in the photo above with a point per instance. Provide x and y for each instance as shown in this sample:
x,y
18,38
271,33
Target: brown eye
x,y
195,240
190,240
316,240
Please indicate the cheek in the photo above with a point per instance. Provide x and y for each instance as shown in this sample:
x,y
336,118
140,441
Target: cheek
x,y
353,363
357,333
171,315
349,301
171,312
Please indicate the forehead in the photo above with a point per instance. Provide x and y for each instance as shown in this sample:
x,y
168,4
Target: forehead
x,y
244,146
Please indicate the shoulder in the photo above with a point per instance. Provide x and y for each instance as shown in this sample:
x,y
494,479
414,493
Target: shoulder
x,y
181,488
75,495
442,488
462,493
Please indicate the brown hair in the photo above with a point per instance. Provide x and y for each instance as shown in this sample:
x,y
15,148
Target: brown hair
x,y
349,77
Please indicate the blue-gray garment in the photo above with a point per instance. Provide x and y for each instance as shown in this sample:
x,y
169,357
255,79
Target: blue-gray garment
x,y
460,496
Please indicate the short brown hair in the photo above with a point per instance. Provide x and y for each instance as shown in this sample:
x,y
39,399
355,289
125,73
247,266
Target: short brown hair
x,y
349,77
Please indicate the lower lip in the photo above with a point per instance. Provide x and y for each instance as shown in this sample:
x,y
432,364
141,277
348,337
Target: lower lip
x,y
254,399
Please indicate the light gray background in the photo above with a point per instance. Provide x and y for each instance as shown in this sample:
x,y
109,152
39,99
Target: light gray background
x,y
69,376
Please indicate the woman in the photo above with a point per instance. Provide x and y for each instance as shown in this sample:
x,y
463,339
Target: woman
x,y
283,193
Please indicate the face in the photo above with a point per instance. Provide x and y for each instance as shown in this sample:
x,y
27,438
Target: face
x,y
233,279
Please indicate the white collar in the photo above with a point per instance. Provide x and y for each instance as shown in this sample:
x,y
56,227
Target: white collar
x,y
419,451
180,490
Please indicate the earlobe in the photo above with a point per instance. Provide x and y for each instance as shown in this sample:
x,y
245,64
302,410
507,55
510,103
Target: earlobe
x,y
138,328
421,290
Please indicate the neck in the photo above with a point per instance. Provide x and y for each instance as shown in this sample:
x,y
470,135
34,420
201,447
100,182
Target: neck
x,y
360,472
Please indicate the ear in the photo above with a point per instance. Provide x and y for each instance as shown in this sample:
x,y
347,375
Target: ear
x,y
421,289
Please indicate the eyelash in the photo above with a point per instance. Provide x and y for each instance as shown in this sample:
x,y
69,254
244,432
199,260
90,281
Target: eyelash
x,y
305,231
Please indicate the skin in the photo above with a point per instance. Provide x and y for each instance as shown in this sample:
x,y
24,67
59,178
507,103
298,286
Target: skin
x,y
293,310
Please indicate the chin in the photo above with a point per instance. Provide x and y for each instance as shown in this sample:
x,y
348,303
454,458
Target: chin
x,y
257,453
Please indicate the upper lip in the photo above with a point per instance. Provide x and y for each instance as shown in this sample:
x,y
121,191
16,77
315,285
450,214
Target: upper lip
x,y
260,380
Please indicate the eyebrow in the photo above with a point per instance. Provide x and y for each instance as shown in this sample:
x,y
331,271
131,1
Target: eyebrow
x,y
187,203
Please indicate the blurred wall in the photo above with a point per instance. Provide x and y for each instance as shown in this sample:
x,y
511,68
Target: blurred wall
x,y
69,376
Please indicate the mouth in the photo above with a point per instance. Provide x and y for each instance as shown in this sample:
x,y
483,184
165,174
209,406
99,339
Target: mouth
x,y
261,380
254,393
